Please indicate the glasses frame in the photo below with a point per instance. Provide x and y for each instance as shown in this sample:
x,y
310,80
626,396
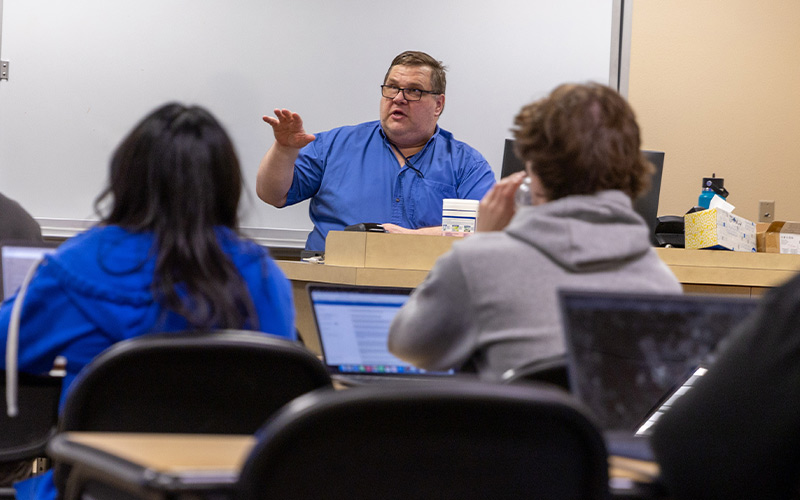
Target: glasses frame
x,y
403,90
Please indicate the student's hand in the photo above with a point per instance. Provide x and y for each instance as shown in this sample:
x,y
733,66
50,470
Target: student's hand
x,y
498,205
288,129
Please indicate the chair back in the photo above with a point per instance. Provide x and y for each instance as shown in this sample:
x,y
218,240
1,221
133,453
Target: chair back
x,y
220,382
25,436
552,370
448,440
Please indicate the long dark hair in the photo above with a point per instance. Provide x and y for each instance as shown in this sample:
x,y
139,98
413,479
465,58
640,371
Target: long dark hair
x,y
176,174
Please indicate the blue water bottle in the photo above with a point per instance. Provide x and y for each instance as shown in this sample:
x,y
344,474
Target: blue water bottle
x,y
711,186
705,196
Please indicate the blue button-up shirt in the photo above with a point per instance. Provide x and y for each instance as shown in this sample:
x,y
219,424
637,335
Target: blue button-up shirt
x,y
352,175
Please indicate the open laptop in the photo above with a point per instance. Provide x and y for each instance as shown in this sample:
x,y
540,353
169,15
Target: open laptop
x,y
16,258
629,354
353,326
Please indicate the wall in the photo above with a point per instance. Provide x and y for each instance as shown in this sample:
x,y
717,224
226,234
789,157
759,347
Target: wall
x,y
83,72
716,85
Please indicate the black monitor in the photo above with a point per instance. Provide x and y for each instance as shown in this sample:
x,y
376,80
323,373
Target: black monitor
x,y
511,162
646,205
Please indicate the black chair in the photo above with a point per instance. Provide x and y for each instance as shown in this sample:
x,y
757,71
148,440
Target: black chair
x,y
455,440
225,382
221,382
552,370
23,438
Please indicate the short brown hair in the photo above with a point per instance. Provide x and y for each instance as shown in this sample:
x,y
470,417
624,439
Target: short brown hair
x,y
416,58
581,139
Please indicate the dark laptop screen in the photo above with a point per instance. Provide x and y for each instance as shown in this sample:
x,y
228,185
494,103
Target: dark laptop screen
x,y
627,352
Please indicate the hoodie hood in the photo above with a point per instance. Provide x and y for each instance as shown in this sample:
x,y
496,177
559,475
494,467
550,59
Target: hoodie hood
x,y
584,232
107,273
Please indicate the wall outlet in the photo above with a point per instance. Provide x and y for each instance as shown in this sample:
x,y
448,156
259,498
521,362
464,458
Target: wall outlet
x,y
766,211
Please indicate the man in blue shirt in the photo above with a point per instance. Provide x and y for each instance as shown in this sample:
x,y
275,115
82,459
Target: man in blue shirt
x,y
395,171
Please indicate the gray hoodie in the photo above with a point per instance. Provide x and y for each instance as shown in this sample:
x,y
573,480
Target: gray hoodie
x,y
493,299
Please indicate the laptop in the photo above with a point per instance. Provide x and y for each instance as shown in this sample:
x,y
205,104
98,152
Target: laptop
x,y
353,327
630,356
16,258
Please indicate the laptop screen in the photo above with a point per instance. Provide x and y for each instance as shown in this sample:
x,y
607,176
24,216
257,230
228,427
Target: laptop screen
x,y
16,258
646,427
353,325
628,352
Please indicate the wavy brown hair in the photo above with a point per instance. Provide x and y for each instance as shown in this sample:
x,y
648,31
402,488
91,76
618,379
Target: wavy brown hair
x,y
582,139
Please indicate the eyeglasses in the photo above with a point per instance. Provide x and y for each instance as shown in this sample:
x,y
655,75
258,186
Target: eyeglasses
x,y
390,92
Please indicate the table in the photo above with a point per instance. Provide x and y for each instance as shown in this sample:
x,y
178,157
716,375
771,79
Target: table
x,y
198,465
403,260
155,465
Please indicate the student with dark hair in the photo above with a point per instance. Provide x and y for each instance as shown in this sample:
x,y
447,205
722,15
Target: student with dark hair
x,y
491,303
166,257
16,223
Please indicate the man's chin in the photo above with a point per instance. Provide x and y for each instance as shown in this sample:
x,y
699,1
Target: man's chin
x,y
395,131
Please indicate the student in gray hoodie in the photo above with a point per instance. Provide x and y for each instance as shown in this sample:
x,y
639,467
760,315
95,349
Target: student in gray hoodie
x,y
492,302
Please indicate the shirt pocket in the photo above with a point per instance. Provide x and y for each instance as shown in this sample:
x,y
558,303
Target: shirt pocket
x,y
427,202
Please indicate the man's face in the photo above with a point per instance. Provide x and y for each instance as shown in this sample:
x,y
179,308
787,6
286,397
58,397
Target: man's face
x,y
410,123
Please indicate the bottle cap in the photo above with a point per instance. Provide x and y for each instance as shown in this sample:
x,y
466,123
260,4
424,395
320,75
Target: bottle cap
x,y
715,184
458,204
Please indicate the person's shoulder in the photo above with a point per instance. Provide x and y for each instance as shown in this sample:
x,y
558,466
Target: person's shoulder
x,y
12,209
252,259
479,245
458,146
476,254
347,130
345,136
101,244
241,249
16,223
79,242
6,202
95,235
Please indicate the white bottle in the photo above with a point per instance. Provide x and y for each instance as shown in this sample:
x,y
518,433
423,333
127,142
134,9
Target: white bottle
x,y
459,217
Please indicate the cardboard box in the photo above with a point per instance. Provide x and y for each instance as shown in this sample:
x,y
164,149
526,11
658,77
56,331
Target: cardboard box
x,y
761,235
780,237
716,228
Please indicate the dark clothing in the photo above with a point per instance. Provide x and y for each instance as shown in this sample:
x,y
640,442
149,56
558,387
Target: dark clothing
x,y
736,434
16,223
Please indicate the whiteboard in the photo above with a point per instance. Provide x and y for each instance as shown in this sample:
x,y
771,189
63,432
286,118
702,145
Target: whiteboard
x,y
82,73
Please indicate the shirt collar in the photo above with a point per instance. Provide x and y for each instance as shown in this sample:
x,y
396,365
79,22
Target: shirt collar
x,y
432,138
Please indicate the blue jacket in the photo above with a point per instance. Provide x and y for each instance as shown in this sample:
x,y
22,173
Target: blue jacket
x,y
95,291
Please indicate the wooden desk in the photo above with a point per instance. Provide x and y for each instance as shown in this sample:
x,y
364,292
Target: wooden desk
x,y
720,271
155,465
160,465
404,260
